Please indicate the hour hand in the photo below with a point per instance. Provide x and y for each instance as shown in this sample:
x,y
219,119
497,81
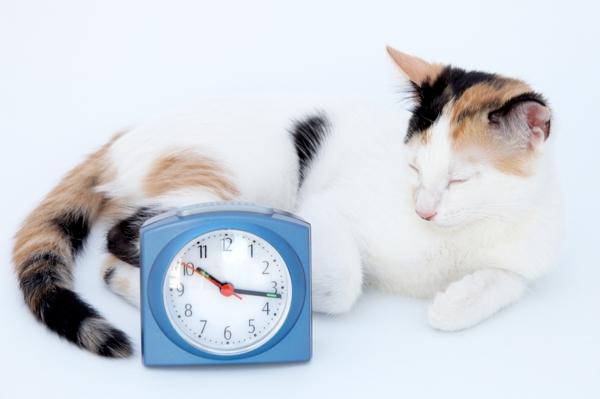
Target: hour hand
x,y
226,289
203,273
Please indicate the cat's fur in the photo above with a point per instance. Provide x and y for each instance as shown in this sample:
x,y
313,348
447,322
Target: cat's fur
x,y
457,201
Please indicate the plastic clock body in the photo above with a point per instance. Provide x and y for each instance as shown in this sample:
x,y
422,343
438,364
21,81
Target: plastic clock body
x,y
225,283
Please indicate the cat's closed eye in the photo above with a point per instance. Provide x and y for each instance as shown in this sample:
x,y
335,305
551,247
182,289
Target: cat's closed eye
x,y
457,182
460,179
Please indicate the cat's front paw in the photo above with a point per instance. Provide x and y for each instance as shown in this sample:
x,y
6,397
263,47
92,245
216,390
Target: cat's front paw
x,y
474,298
122,278
456,308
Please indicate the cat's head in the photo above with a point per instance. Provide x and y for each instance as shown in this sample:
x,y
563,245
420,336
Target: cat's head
x,y
474,142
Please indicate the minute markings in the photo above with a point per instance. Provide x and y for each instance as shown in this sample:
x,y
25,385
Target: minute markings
x,y
236,258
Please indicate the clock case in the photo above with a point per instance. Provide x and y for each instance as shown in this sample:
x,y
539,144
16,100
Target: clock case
x,y
163,236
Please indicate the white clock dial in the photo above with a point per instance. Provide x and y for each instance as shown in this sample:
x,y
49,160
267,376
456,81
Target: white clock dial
x,y
227,291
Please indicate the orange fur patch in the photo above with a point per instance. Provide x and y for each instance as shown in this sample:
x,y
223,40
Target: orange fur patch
x,y
470,125
75,193
109,262
187,169
417,69
425,138
486,97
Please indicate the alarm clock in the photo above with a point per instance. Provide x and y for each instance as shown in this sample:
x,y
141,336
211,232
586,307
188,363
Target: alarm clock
x,y
225,283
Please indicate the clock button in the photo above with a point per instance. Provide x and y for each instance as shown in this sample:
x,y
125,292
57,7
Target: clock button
x,y
224,207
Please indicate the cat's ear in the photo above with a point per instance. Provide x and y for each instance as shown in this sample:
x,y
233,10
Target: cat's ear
x,y
524,119
416,69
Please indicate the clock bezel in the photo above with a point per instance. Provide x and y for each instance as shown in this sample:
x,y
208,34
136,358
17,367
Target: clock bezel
x,y
260,339
163,260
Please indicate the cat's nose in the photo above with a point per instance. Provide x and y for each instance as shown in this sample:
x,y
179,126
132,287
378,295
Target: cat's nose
x,y
427,215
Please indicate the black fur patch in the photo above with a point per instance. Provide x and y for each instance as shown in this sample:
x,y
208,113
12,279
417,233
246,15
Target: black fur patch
x,y
433,96
48,257
309,135
76,227
44,277
63,312
116,344
460,80
53,272
122,239
58,308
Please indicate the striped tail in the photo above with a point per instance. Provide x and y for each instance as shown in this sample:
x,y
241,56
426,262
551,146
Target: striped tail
x,y
44,254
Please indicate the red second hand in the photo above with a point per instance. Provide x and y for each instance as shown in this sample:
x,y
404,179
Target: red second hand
x,y
226,289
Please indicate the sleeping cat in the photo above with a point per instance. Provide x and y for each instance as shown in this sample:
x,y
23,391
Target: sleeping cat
x,y
456,201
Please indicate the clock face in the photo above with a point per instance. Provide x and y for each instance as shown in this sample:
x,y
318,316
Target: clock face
x,y
227,291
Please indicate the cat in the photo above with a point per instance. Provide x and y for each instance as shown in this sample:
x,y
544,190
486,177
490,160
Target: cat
x,y
456,201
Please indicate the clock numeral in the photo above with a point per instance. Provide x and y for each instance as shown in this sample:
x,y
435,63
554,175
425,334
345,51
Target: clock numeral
x,y
188,310
266,308
202,251
180,289
226,244
203,327
227,333
251,246
251,325
188,271
274,286
266,267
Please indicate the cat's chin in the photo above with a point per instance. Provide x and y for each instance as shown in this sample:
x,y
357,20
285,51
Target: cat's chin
x,y
447,226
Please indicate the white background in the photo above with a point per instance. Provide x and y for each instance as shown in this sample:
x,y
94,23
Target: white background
x,y
74,73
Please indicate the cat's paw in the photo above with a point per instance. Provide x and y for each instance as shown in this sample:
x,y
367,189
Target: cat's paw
x,y
337,295
474,298
456,308
123,279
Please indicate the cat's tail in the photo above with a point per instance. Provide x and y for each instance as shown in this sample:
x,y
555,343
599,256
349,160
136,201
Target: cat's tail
x,y
44,254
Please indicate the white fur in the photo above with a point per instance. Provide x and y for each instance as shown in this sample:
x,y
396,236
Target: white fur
x,y
124,280
491,233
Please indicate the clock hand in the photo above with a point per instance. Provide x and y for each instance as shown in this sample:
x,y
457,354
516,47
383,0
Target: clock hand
x,y
226,289
257,293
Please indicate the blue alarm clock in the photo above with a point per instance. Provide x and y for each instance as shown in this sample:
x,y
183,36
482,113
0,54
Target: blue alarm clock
x,y
225,283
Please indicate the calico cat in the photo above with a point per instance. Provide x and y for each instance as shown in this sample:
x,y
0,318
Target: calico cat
x,y
455,201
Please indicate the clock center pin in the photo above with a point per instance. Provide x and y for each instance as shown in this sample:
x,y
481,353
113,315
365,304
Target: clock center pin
x,y
227,289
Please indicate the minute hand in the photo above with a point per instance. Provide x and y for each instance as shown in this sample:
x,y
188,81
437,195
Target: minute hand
x,y
257,293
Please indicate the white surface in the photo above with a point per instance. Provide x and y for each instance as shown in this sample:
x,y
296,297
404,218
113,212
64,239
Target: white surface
x,y
73,73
